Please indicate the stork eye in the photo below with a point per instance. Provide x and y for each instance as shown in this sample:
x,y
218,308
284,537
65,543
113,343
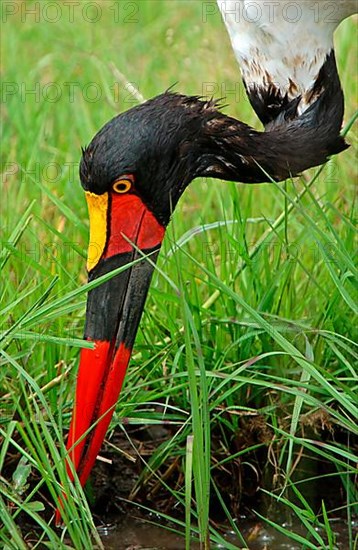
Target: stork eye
x,y
123,185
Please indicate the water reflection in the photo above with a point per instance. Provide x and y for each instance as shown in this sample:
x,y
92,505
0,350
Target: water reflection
x,y
140,535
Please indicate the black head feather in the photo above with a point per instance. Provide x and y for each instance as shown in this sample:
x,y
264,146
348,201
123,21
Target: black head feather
x,y
159,142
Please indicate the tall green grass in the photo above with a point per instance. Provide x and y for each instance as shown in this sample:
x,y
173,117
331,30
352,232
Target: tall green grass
x,y
250,319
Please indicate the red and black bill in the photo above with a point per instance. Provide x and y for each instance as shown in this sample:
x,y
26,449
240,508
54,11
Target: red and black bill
x,y
113,313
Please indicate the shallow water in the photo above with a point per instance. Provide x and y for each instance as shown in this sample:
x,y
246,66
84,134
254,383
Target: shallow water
x,y
141,535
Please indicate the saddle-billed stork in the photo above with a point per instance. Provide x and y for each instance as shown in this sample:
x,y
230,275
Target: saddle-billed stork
x,y
134,172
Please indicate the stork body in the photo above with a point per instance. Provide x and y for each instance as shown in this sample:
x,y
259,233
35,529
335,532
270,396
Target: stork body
x,y
282,48
134,172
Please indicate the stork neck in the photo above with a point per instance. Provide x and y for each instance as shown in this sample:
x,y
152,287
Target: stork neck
x,y
236,152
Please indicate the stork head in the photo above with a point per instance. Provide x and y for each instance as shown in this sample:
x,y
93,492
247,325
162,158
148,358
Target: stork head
x,y
133,173
160,145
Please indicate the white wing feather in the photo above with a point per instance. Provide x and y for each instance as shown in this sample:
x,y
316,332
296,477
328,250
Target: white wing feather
x,y
283,43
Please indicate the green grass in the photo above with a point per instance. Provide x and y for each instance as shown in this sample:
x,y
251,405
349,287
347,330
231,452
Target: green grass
x,y
250,319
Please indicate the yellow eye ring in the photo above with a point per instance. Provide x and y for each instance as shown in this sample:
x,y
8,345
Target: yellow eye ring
x,y
122,186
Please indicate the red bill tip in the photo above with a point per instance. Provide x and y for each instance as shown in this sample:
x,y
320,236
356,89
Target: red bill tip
x,y
100,378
